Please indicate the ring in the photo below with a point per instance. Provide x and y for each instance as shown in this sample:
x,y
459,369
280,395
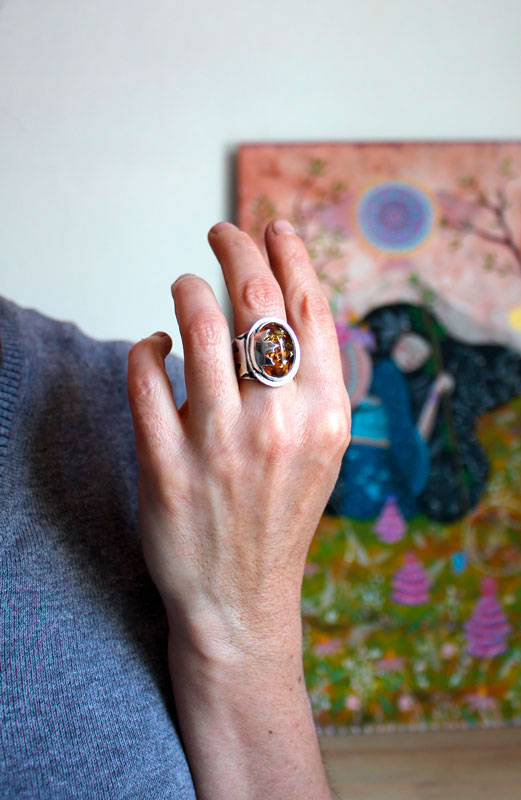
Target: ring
x,y
269,352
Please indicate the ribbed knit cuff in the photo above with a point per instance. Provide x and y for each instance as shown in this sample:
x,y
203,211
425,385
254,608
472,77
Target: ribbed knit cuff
x,y
10,372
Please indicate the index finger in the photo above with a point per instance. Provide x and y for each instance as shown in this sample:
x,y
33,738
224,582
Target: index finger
x,y
157,427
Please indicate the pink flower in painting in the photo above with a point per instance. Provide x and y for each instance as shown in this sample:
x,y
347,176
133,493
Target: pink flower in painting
x,y
480,701
347,333
488,627
449,650
411,583
405,703
390,664
353,703
325,648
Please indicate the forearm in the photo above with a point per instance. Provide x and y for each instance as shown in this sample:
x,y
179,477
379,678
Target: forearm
x,y
428,414
246,726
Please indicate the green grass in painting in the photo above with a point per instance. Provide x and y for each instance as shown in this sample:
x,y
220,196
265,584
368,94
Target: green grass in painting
x,y
369,660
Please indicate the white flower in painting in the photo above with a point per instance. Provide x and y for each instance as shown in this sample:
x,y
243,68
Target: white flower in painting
x,y
449,650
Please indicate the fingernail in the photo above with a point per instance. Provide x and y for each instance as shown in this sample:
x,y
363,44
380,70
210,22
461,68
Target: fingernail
x,y
183,275
282,226
160,333
222,226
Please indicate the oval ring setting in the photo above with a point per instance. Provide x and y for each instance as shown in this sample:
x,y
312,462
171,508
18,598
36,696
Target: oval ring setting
x,y
269,352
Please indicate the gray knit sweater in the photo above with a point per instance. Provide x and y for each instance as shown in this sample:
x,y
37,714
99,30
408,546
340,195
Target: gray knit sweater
x,y
86,706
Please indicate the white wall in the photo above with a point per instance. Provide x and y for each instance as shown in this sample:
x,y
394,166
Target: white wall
x,y
118,117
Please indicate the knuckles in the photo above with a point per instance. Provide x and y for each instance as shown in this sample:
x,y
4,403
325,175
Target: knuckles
x,y
282,437
144,385
333,428
207,330
313,309
276,437
261,294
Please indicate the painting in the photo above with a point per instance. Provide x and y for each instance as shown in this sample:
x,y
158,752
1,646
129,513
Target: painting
x,y
411,600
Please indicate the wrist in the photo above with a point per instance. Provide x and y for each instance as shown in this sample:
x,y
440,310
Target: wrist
x,y
257,701
214,642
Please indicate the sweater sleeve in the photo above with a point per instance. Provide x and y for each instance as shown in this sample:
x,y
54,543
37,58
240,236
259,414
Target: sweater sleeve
x,y
86,698
175,370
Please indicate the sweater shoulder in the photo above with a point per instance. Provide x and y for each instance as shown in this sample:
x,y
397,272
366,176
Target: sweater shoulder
x,y
65,352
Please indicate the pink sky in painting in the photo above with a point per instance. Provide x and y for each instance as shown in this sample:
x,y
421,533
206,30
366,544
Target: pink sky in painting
x,y
477,304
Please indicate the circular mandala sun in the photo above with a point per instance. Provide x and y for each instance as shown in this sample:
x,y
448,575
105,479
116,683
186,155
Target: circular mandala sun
x,y
395,216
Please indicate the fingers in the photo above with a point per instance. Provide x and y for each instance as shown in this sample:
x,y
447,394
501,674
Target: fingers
x,y
253,289
157,427
289,289
214,394
210,376
307,307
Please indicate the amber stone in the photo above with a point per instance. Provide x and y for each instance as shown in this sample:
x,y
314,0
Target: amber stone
x,y
274,350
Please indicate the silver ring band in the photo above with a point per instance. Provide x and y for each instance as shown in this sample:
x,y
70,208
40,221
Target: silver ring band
x,y
269,352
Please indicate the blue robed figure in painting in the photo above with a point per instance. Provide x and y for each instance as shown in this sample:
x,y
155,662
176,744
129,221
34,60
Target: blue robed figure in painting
x,y
389,451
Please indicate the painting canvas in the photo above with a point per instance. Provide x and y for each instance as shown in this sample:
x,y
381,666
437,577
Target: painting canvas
x,y
411,600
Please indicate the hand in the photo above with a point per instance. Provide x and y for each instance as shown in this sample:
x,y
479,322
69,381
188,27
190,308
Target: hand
x,y
232,485
444,384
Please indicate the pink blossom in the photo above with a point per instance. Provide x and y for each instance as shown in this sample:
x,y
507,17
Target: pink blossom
x,y
405,702
391,664
347,333
331,646
480,701
353,702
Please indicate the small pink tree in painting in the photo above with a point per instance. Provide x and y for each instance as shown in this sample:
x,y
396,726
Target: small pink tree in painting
x,y
390,525
411,583
488,627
